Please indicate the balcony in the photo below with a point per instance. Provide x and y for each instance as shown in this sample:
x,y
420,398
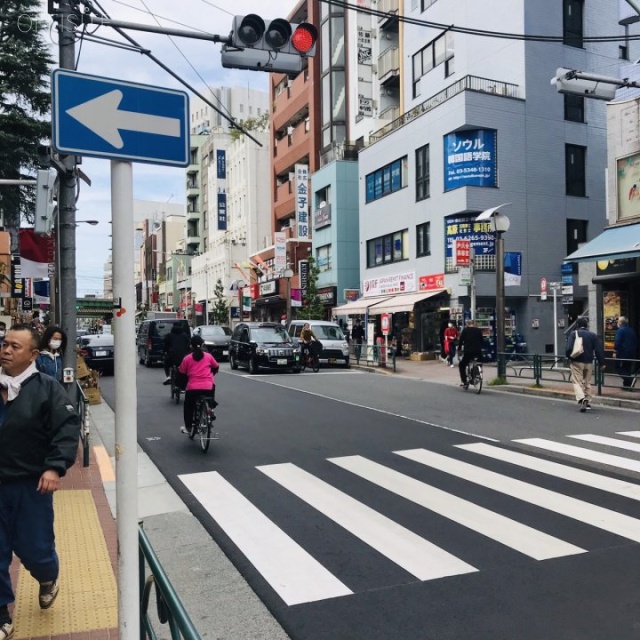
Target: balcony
x,y
468,83
389,67
193,190
193,213
390,7
290,103
193,168
285,201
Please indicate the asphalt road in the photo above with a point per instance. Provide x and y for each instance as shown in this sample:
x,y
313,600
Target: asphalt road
x,y
363,506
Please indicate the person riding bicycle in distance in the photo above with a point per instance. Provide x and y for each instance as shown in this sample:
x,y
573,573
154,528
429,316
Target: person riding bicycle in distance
x,y
306,336
175,348
470,344
200,368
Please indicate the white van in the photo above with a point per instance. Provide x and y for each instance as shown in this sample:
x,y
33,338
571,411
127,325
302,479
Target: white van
x,y
335,348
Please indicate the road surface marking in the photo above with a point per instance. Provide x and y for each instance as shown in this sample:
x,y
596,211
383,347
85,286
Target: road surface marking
x,y
580,476
294,574
608,442
584,454
527,540
590,514
414,554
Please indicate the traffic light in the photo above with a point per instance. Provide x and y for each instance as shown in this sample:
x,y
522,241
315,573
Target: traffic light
x,y
46,200
272,45
577,83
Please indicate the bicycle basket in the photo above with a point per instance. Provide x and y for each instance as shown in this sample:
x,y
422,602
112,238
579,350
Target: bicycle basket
x,y
315,348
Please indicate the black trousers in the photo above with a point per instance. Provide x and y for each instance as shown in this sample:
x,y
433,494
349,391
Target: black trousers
x,y
464,361
190,400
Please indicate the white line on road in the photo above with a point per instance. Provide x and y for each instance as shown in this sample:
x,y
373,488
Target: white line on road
x,y
294,575
580,476
590,514
527,540
608,442
414,554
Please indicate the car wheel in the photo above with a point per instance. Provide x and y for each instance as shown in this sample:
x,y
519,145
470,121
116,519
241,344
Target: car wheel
x,y
147,361
140,358
253,367
233,362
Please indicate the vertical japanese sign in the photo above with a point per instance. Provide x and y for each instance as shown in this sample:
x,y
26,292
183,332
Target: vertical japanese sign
x,y
221,164
302,200
222,212
280,251
462,252
470,159
6,288
303,270
17,284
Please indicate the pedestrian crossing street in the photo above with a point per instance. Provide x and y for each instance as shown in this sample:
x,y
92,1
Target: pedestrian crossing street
x,y
298,577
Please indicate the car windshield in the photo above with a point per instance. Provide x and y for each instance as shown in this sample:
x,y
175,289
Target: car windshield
x,y
214,332
327,332
270,334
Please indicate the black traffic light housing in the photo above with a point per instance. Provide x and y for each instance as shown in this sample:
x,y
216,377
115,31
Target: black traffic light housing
x,y
272,45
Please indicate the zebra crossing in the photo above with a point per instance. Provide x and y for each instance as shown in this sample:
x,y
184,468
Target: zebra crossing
x,y
413,475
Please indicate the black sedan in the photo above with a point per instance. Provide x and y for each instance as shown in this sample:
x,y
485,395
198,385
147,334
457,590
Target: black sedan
x,y
97,351
216,339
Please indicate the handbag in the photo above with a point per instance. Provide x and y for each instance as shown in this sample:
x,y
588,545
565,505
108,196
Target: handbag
x,y
578,347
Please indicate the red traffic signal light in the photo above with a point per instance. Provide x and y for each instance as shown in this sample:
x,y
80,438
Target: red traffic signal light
x,y
304,38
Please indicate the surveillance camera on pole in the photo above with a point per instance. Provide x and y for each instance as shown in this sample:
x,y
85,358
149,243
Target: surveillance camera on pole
x,y
46,200
272,45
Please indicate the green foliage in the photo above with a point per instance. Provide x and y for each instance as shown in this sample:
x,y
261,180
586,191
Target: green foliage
x,y
251,124
24,103
220,311
313,307
497,381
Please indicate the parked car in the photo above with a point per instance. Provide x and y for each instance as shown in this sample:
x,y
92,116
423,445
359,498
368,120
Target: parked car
x,y
335,348
258,345
150,339
216,339
97,351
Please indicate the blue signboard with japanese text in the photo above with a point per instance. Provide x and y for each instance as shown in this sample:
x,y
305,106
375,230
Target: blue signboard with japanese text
x,y
222,212
221,164
464,226
470,159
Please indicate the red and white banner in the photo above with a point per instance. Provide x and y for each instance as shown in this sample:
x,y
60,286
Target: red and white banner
x,y
36,252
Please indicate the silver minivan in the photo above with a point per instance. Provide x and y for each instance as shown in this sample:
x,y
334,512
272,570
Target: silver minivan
x,y
335,348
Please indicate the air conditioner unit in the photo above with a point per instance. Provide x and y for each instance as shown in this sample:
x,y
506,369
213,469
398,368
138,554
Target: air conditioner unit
x,y
374,68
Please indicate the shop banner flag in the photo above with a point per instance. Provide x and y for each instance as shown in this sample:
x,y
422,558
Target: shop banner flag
x,y
36,252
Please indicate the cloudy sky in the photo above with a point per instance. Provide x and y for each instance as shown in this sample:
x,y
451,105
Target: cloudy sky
x,y
197,61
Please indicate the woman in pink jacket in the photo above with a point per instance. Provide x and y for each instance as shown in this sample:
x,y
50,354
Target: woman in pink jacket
x,y
200,367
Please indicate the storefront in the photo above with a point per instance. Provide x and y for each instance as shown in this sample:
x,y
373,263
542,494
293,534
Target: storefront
x,y
328,297
269,305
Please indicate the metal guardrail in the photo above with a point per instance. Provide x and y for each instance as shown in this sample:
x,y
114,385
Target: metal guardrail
x,y
169,607
373,355
81,407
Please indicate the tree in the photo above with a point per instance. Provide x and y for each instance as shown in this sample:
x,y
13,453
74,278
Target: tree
x,y
24,104
313,307
261,123
220,311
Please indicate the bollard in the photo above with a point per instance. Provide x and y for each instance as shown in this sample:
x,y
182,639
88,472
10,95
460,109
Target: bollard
x,y
537,368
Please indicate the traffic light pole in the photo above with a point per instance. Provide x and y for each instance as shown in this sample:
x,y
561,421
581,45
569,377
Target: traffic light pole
x,y
66,224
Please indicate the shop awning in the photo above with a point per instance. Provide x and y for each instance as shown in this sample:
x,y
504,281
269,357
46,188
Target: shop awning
x,y
612,244
358,307
403,302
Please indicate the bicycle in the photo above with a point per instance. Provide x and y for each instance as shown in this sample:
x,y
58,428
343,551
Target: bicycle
x,y
176,390
202,424
311,358
474,375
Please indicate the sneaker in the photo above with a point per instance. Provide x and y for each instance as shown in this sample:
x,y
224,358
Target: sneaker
x,y
452,365
588,406
582,405
167,381
48,593
6,630
183,429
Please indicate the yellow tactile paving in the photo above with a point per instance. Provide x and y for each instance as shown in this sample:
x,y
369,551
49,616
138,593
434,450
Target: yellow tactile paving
x,y
88,592
104,464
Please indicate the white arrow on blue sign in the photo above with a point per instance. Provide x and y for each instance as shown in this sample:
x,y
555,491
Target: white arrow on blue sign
x,y
105,118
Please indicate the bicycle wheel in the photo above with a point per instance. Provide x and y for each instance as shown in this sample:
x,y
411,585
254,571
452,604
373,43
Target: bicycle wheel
x,y
196,419
204,426
476,378
303,363
315,362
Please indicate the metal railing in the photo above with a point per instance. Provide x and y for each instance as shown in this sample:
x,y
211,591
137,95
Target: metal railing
x,y
169,607
373,355
81,407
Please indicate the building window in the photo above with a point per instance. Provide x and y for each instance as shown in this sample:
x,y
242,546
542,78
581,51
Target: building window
x,y
576,234
425,4
575,170
573,27
422,173
323,258
386,249
423,239
437,52
388,179
574,108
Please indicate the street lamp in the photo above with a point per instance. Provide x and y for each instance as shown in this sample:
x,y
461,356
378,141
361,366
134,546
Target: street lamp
x,y
499,225
288,274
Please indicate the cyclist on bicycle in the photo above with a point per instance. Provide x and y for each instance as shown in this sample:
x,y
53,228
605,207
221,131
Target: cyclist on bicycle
x,y
200,368
176,347
469,342
306,337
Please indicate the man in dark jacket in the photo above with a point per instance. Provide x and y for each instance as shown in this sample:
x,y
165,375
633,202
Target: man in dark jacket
x,y
582,365
357,335
39,431
470,343
626,348
176,347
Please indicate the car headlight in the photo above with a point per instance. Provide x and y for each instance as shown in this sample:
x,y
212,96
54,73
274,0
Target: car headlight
x,y
261,352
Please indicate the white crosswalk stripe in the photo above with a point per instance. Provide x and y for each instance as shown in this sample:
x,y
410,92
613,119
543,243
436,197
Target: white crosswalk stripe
x,y
298,577
608,442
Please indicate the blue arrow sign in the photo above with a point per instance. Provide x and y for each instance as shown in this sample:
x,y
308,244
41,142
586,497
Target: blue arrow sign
x,y
105,118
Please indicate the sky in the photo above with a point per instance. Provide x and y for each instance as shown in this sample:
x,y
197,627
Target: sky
x,y
201,69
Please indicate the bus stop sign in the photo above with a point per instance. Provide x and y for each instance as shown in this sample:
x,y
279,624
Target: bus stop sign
x,y
384,321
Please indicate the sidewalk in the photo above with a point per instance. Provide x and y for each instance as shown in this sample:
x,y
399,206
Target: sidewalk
x,y
218,600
